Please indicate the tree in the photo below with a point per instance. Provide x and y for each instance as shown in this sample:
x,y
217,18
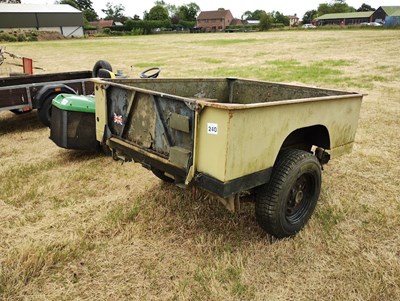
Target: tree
x,y
171,8
79,4
255,15
336,6
85,6
246,15
280,18
73,3
164,11
188,12
157,12
160,2
309,16
114,12
90,15
365,7
266,21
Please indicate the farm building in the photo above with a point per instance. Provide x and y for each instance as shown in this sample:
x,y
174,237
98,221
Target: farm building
x,y
105,23
345,18
236,22
294,20
216,20
62,18
390,15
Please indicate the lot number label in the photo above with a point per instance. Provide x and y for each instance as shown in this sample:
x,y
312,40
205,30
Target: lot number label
x,y
212,128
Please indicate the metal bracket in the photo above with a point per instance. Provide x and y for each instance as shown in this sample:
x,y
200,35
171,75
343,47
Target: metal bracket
x,y
231,203
322,155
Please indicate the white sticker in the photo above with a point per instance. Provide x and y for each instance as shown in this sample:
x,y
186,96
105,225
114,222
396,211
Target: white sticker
x,y
64,102
212,128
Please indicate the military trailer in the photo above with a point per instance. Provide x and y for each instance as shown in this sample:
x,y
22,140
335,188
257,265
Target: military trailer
x,y
229,136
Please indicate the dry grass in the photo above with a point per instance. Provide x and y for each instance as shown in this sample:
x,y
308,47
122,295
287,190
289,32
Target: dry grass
x,y
78,226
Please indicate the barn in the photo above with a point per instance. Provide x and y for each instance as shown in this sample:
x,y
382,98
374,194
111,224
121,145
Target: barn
x,y
390,15
62,18
345,18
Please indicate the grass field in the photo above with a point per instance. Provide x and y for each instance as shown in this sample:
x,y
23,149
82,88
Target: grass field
x,y
80,226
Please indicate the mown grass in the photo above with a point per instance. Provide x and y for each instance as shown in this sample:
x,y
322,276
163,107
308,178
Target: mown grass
x,y
76,225
225,42
148,64
28,262
321,71
122,215
211,60
328,72
18,180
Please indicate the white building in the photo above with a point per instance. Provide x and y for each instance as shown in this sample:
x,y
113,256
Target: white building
x,y
61,18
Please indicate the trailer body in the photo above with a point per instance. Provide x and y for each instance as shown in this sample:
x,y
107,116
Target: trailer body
x,y
222,131
226,135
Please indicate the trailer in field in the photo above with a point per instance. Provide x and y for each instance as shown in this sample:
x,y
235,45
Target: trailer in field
x,y
229,136
24,93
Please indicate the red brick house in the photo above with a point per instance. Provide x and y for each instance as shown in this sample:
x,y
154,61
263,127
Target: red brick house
x,y
293,20
215,20
105,23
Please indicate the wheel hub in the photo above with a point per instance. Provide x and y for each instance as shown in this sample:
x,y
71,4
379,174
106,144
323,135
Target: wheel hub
x,y
297,195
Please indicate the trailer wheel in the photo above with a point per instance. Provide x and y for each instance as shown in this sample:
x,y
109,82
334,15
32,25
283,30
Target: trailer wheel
x,y
286,203
44,112
101,65
161,175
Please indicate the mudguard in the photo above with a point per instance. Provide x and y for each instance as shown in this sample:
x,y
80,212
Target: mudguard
x,y
48,90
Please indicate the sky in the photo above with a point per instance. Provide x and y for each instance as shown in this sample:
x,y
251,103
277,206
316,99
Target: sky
x,y
287,7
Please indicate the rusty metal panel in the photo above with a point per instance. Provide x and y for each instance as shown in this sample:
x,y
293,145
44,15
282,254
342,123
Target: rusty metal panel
x,y
250,92
142,121
194,88
179,156
180,122
166,135
159,124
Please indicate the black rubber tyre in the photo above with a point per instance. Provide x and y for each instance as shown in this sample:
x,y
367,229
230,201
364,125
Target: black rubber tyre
x,y
161,175
100,65
44,112
104,73
286,203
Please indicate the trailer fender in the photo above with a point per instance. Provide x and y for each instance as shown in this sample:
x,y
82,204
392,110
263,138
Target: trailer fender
x,y
48,90
44,98
305,138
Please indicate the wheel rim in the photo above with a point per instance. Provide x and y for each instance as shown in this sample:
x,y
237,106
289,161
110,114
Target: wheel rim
x,y
300,198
